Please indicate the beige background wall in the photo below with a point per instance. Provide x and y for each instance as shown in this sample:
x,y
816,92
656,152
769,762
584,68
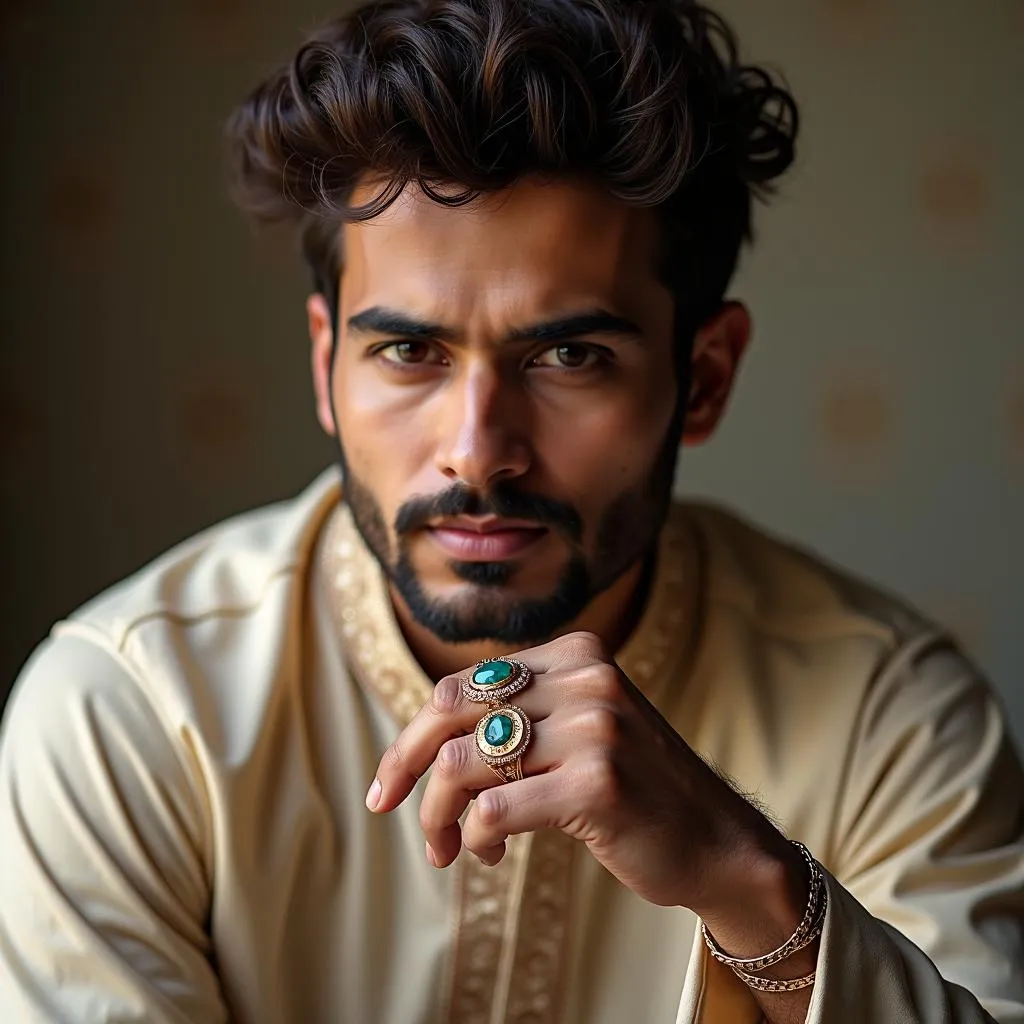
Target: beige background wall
x,y
153,360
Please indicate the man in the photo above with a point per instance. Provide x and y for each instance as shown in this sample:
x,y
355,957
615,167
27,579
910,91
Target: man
x,y
230,788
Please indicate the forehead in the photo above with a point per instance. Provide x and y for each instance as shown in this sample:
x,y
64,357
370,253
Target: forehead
x,y
528,249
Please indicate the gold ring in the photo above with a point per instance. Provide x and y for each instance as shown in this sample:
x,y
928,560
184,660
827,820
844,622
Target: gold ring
x,y
502,736
495,680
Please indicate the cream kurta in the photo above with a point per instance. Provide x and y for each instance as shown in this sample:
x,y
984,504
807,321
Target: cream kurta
x,y
183,836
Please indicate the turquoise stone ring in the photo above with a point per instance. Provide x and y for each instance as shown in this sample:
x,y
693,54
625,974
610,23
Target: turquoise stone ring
x,y
498,730
495,680
492,673
502,736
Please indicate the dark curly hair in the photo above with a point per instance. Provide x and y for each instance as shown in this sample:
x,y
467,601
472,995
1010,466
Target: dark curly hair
x,y
464,97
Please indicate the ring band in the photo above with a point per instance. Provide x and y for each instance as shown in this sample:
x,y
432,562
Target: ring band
x,y
495,680
502,737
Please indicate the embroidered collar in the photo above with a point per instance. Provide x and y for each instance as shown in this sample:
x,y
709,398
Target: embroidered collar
x,y
660,648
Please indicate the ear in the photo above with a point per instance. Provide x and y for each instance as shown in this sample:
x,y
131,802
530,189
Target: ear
x,y
321,334
718,349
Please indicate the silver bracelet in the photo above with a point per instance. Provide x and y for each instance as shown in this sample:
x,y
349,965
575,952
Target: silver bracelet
x,y
807,930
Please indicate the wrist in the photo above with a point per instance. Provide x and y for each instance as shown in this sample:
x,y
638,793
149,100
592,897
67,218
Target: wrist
x,y
764,886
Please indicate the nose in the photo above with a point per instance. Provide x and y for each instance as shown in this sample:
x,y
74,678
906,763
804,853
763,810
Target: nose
x,y
483,436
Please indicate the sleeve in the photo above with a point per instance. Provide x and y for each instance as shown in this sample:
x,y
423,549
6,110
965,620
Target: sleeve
x,y
104,867
927,924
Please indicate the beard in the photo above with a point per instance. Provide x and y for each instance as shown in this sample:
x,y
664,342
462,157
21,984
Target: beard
x,y
626,532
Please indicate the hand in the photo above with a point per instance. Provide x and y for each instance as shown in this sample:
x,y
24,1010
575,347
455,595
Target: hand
x,y
605,768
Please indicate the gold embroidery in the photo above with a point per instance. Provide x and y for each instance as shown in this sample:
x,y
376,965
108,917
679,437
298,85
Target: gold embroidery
x,y
668,629
371,638
539,971
508,963
510,948
485,913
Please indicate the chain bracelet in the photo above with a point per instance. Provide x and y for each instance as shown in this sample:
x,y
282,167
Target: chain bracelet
x,y
807,930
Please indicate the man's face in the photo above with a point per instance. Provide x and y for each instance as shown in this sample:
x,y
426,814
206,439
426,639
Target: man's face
x,y
503,390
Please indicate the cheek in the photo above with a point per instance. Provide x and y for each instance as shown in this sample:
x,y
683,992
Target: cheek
x,y
361,398
385,442
614,439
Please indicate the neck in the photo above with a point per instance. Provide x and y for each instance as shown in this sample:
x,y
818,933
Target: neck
x,y
612,615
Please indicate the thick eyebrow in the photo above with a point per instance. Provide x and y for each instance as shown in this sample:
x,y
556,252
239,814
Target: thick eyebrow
x,y
595,321
379,320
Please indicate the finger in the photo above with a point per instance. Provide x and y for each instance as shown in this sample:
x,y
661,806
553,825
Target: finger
x,y
572,670
540,801
568,651
447,714
459,775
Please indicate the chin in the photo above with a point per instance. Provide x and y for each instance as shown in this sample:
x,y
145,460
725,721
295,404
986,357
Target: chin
x,y
468,611
493,576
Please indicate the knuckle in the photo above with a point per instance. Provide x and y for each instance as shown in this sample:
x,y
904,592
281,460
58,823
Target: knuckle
x,y
585,644
491,807
600,725
447,695
451,759
600,783
393,756
601,680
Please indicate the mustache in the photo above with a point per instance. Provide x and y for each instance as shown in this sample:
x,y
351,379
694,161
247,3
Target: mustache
x,y
501,500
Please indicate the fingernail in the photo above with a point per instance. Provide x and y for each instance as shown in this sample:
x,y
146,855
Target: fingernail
x,y
431,856
373,796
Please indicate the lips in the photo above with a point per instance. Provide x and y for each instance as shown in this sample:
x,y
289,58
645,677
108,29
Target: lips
x,y
485,540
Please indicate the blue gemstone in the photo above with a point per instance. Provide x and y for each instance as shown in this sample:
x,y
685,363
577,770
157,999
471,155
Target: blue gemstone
x,y
498,730
491,673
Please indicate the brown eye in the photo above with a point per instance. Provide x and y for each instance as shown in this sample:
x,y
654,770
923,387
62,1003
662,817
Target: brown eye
x,y
408,353
572,356
411,351
568,357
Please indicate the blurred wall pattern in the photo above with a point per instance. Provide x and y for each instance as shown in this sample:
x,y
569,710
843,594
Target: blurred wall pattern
x,y
153,370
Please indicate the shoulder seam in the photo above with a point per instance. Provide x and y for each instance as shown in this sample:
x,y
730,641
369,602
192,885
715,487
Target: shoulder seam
x,y
120,637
